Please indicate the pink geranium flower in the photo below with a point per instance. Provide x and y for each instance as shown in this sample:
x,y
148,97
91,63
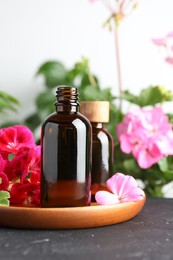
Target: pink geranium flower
x,y
123,188
15,137
146,134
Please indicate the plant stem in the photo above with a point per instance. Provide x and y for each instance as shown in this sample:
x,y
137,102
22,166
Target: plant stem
x,y
118,65
91,78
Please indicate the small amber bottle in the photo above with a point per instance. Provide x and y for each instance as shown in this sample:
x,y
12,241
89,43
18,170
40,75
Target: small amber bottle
x,y
66,146
103,146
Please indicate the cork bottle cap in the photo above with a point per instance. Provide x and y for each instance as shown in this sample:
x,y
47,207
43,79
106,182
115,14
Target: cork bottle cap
x,y
95,111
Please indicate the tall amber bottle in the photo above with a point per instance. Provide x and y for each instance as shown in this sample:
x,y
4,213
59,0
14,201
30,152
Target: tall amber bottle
x,y
66,143
103,146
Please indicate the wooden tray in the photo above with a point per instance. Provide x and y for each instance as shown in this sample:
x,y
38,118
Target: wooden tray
x,y
69,218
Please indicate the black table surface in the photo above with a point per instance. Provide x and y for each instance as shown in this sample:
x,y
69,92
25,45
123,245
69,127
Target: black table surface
x,y
147,236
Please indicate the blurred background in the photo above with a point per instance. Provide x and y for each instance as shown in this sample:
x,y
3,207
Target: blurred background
x,y
32,32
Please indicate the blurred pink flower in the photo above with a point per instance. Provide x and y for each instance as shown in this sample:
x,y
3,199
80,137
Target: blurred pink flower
x,y
169,60
166,42
123,188
146,134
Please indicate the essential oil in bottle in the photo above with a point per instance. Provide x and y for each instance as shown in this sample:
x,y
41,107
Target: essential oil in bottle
x,y
66,146
103,146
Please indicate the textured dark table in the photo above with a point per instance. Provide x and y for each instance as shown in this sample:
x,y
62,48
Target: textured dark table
x,y
147,236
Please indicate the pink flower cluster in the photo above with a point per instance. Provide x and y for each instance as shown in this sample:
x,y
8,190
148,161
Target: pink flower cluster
x,y
166,42
19,165
147,134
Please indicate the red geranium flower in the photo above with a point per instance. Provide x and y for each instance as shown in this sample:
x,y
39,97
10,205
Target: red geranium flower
x,y
26,162
25,193
20,165
15,137
4,182
2,164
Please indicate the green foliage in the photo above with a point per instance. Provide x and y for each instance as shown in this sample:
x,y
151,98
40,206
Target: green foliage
x,y
4,198
149,96
55,73
7,102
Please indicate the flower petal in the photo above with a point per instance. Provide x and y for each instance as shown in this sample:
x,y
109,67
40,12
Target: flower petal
x,y
160,41
105,198
15,137
25,193
147,157
2,164
124,188
120,183
125,143
169,59
4,182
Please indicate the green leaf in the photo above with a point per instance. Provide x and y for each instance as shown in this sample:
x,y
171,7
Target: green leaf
x,y
45,104
163,164
95,93
5,104
45,99
53,72
4,196
154,95
5,202
81,67
33,121
87,79
91,93
170,116
8,97
7,101
167,95
149,96
126,95
130,165
81,75
166,167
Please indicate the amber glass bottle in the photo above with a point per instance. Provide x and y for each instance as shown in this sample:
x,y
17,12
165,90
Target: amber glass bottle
x,y
66,143
103,146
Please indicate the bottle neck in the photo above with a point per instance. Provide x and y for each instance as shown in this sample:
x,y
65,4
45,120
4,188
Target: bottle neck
x,y
67,98
98,125
66,108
